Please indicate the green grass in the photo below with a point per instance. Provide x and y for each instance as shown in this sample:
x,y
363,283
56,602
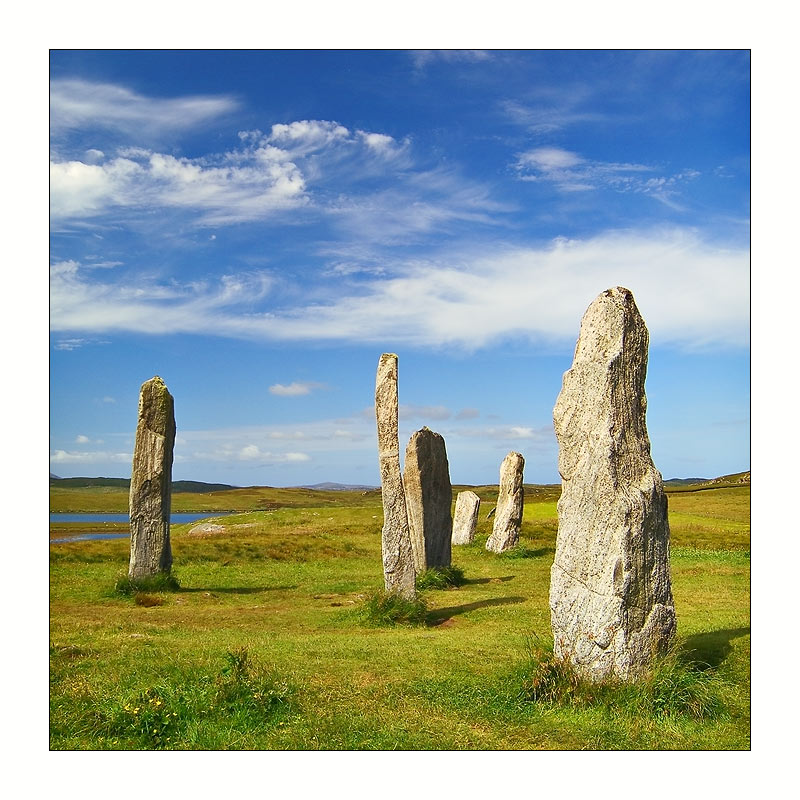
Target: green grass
x,y
263,645
440,578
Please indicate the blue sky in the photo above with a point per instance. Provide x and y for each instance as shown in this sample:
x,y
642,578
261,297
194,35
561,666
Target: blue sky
x,y
257,227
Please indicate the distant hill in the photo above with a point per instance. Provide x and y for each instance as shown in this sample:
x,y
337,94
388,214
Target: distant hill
x,y
337,487
698,484
195,487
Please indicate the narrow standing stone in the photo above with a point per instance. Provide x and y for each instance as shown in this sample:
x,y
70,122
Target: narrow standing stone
x,y
508,516
611,601
398,563
465,519
429,497
151,482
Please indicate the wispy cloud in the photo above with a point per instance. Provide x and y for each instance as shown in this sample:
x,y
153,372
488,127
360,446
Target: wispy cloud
x,y
553,110
89,457
422,58
294,389
691,292
76,103
411,412
570,172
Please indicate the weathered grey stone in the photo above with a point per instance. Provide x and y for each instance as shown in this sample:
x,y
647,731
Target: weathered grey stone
x,y
398,563
151,482
429,496
611,601
465,519
508,515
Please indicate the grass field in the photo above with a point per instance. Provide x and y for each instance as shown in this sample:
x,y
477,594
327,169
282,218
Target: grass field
x,y
265,645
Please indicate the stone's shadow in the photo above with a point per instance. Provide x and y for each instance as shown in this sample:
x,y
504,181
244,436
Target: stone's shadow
x,y
708,650
489,580
440,615
528,552
235,589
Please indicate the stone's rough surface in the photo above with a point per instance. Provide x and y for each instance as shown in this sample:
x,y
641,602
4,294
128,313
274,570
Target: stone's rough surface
x,y
465,519
151,482
398,564
610,595
429,495
508,514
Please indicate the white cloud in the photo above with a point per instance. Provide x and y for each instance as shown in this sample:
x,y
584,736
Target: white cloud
x,y
78,304
220,193
549,159
422,58
570,172
294,389
264,176
553,109
76,104
691,292
72,457
81,439
305,136
408,412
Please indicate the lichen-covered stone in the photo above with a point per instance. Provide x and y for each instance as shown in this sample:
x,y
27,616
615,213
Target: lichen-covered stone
x,y
508,514
465,518
429,496
610,594
398,563
151,482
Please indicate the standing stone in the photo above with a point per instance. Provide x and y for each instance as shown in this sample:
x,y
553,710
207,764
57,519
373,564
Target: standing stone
x,y
398,563
508,515
465,519
611,601
429,496
151,482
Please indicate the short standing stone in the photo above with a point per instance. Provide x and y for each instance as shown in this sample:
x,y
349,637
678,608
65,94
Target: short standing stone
x,y
465,519
508,516
610,594
151,482
429,497
398,563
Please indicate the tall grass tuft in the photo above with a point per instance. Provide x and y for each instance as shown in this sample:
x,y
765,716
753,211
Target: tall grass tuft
x,y
161,582
674,687
383,608
441,578
250,692
173,713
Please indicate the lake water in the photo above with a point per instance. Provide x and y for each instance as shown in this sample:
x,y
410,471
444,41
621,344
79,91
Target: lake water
x,y
176,519
101,519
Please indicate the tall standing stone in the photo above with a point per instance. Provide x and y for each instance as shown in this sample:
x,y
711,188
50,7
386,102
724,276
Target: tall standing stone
x,y
508,517
611,601
398,563
429,496
151,482
465,519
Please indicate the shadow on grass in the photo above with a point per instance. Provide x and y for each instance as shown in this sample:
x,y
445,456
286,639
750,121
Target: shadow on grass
x,y
440,615
709,650
521,551
235,589
489,580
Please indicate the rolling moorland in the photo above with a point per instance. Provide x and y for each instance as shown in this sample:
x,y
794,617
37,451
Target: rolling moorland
x,y
266,642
